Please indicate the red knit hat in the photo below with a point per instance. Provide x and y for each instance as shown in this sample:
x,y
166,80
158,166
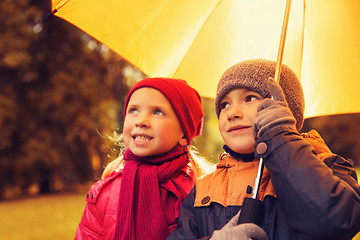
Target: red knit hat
x,y
185,101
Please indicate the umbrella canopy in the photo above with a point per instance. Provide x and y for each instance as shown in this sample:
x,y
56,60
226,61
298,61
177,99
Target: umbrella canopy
x,y
198,40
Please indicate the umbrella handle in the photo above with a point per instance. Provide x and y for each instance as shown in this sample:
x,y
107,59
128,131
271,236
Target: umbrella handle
x,y
251,211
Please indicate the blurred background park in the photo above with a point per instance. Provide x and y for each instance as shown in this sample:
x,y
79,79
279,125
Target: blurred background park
x,y
61,97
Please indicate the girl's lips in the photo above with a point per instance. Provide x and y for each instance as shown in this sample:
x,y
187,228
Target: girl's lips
x,y
141,139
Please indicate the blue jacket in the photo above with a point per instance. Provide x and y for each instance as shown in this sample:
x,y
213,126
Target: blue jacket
x,y
317,195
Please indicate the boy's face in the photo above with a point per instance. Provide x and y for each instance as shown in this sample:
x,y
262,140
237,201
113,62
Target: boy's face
x,y
150,126
237,118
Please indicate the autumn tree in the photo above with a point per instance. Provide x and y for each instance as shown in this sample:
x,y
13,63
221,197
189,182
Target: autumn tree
x,y
61,93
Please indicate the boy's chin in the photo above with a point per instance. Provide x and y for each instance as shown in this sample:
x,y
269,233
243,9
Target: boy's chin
x,y
242,150
240,144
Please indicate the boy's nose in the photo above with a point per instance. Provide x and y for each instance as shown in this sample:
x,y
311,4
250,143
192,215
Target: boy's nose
x,y
235,113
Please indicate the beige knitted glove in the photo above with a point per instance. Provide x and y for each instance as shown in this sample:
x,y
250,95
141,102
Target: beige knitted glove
x,y
245,231
273,112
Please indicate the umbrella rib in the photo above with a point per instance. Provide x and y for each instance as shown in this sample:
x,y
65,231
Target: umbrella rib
x,y
60,5
302,41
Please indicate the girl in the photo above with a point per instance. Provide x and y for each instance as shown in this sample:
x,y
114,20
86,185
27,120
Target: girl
x,y
142,199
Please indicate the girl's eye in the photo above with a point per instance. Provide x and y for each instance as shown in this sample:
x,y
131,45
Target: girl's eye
x,y
224,105
158,112
132,111
251,98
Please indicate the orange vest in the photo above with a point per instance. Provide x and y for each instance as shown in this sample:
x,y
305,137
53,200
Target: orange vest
x,y
228,183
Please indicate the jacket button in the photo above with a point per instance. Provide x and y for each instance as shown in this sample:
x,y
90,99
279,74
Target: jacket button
x,y
92,196
249,190
305,135
261,148
87,195
205,200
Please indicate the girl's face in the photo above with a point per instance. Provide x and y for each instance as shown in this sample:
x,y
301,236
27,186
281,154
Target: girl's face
x,y
237,118
150,126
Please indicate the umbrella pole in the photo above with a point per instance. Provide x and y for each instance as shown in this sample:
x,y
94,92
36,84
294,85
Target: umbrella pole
x,y
277,79
258,179
252,208
282,41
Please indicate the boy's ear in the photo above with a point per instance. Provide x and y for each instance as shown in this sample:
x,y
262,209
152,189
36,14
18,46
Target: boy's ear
x,y
183,141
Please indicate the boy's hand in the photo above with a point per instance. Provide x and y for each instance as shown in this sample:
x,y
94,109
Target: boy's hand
x,y
245,231
273,112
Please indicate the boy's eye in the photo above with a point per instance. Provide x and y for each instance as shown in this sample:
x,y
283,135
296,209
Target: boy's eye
x,y
250,98
224,105
158,112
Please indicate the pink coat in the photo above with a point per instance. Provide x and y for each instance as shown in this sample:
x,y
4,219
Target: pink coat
x,y
99,217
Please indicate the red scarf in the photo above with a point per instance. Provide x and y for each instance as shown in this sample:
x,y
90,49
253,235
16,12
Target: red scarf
x,y
144,210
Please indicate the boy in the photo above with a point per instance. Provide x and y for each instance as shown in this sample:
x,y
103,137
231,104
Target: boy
x,y
307,191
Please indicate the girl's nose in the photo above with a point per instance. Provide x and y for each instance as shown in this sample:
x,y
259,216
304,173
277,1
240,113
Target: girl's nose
x,y
142,123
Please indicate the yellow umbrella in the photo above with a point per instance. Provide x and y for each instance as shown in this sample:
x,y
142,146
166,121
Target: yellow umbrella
x,y
198,40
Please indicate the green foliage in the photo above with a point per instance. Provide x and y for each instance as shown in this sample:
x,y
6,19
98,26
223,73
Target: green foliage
x,y
210,142
59,90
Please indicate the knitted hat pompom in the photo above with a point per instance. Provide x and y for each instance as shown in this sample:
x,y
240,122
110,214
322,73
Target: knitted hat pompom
x,y
253,74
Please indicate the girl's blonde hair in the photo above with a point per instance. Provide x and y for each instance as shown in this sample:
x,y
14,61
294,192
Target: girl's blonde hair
x,y
199,165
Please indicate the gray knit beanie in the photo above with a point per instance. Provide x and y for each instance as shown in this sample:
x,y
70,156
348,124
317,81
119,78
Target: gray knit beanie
x,y
253,75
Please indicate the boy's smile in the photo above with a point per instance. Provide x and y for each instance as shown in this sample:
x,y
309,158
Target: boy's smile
x,y
237,118
239,128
